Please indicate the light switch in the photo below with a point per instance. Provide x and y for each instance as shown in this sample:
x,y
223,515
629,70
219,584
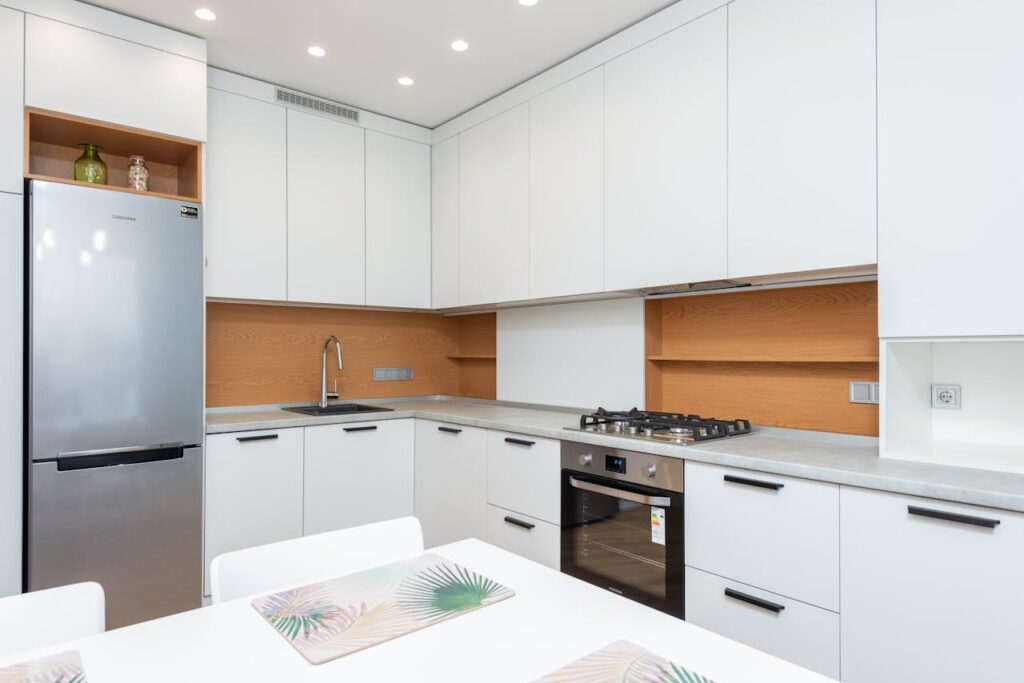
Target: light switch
x,y
864,392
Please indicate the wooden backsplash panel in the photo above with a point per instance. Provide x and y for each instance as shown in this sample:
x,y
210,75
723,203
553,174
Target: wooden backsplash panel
x,y
272,354
780,357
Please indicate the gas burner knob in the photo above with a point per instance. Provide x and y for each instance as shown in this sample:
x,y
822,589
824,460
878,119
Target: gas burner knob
x,y
586,460
651,470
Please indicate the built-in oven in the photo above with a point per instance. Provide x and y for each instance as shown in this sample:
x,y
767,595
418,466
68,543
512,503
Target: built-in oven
x,y
622,523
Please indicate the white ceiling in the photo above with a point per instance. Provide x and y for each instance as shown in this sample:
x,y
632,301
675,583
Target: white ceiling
x,y
370,43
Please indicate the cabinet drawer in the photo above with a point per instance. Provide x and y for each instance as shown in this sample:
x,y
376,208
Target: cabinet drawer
x,y
795,631
523,535
778,533
253,490
523,474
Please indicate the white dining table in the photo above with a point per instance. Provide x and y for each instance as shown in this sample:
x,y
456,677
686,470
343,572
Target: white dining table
x,y
552,620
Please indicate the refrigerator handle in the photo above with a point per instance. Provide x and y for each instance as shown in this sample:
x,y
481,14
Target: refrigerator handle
x,y
111,457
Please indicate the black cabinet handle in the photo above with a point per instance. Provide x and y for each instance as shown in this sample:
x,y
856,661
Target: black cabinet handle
x,y
753,482
519,442
261,437
519,522
449,430
756,602
953,517
360,429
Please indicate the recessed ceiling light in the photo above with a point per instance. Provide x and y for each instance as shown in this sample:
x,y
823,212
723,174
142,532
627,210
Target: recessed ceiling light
x,y
405,80
316,51
528,3
205,14
460,45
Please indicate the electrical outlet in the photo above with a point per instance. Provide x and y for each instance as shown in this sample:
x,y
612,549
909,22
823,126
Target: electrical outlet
x,y
946,396
864,392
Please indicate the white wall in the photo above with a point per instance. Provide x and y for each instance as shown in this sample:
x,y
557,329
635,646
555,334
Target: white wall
x,y
581,355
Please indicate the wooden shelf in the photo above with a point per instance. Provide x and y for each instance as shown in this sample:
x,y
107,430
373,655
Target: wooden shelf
x,y
52,144
471,356
764,359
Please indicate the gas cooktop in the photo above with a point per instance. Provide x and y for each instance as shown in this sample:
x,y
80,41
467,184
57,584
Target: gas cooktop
x,y
676,428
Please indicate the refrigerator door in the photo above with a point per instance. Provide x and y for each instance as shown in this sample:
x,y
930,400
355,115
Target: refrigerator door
x,y
134,528
115,349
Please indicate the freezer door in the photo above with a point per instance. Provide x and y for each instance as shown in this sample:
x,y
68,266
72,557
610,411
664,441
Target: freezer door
x,y
137,529
116,321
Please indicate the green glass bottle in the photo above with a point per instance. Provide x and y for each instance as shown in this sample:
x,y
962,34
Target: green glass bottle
x,y
89,168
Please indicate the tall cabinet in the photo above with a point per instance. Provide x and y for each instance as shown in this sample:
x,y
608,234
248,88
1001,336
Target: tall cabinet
x,y
665,158
801,135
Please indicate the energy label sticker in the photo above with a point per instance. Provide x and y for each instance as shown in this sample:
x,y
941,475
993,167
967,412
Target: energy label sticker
x,y
658,526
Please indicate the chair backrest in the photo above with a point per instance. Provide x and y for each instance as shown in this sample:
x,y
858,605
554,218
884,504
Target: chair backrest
x,y
50,616
310,558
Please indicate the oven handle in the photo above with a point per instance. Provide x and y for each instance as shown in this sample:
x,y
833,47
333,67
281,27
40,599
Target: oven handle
x,y
659,501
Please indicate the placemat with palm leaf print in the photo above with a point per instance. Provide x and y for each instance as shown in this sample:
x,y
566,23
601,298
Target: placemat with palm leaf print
x,y
331,619
623,662
63,668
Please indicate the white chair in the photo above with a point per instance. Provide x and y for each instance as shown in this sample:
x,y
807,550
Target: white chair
x,y
50,616
335,553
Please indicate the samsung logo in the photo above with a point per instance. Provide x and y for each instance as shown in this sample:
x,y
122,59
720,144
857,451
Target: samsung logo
x,y
189,212
119,217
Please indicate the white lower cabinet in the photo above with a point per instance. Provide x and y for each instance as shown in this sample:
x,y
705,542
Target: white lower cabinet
x,y
451,482
521,534
357,473
524,474
253,490
780,626
931,590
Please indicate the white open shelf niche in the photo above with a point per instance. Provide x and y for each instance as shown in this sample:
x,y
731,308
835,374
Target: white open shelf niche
x,y
982,433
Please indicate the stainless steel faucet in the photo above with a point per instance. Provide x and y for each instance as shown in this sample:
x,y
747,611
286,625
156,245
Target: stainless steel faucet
x,y
323,375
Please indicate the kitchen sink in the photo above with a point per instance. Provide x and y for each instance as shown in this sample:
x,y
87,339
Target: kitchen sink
x,y
338,409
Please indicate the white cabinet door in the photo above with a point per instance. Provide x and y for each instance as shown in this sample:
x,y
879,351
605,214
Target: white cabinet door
x,y
926,598
444,208
801,135
357,473
397,222
12,113
494,213
81,72
253,490
950,167
665,159
524,474
11,452
246,215
780,534
451,482
780,626
326,209
523,535
567,188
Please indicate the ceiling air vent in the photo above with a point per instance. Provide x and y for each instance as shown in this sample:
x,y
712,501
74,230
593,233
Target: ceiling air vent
x,y
319,106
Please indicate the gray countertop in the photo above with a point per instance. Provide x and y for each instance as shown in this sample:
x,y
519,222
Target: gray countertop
x,y
835,458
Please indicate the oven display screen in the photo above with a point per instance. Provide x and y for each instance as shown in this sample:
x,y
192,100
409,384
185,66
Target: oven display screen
x,y
615,463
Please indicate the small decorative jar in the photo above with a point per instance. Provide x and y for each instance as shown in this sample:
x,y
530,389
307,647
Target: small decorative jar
x,y
138,174
89,168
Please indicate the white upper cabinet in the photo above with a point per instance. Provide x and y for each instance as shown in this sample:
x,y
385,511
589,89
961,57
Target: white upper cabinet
x,y
12,44
801,135
567,188
326,210
85,73
494,201
246,215
950,167
397,222
665,159
444,208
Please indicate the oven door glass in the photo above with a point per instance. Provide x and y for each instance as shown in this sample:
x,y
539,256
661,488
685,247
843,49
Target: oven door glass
x,y
626,538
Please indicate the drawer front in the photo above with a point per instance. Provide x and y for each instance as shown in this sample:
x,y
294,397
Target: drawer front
x,y
523,535
795,631
778,533
451,458
523,474
253,490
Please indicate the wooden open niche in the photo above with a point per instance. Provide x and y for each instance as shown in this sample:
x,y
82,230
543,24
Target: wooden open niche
x,y
52,144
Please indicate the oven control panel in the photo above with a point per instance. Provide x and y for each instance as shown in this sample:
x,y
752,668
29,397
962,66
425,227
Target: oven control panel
x,y
648,469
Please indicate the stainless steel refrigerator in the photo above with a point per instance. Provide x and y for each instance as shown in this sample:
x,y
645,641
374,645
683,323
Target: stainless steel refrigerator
x,y
114,397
